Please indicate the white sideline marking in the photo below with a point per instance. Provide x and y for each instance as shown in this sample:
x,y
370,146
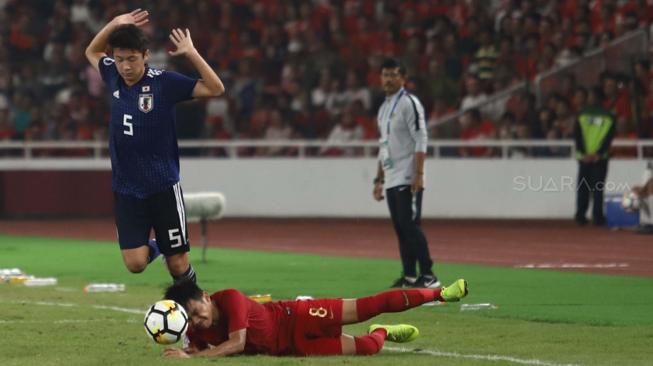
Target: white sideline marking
x,y
573,265
116,308
477,357
66,321
64,304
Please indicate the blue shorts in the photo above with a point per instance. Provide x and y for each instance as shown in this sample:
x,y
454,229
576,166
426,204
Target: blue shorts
x,y
164,212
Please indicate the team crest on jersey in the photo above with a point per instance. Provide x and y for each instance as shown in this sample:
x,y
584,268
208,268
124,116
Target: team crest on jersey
x,y
145,102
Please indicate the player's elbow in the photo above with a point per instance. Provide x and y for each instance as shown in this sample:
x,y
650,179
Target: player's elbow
x,y
90,52
218,90
92,56
208,90
239,347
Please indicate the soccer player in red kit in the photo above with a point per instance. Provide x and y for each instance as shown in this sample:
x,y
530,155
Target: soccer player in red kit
x,y
228,322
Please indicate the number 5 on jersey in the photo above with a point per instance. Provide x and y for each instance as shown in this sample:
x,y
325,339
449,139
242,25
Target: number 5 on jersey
x,y
129,126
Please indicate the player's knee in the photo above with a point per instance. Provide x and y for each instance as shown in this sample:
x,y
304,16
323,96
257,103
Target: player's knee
x,y
367,346
136,266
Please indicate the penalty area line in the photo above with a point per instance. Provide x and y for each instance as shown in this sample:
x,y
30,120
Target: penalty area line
x,y
511,359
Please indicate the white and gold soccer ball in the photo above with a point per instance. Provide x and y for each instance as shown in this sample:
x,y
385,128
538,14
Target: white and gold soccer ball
x,y
166,322
630,201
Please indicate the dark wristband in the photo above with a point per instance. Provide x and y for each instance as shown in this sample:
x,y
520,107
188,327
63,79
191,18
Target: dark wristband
x,y
378,180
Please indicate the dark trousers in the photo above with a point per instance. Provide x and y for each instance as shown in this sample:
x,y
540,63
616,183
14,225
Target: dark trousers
x,y
591,178
406,210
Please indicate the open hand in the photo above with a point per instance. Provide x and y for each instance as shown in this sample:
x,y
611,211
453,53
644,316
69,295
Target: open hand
x,y
137,17
175,353
182,41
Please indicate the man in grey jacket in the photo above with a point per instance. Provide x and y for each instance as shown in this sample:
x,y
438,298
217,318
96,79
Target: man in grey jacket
x,y
402,149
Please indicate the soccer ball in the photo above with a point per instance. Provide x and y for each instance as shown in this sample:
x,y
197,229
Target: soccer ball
x,y
630,201
166,322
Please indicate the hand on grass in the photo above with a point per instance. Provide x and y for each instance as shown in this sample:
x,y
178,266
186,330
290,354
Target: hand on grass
x,y
175,353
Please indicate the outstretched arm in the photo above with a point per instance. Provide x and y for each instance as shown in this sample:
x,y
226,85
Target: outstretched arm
x,y
96,49
235,344
210,85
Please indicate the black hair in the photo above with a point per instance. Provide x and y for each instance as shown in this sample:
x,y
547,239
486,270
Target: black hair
x,y
128,36
607,75
646,64
509,116
183,291
475,113
565,101
581,90
393,63
598,94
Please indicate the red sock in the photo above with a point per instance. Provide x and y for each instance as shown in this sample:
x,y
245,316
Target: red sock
x,y
394,301
370,344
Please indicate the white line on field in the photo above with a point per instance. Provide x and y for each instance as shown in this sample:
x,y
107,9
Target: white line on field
x,y
573,265
64,304
66,321
395,349
116,308
477,357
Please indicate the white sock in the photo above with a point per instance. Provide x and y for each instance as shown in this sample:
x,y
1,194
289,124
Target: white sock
x,y
645,217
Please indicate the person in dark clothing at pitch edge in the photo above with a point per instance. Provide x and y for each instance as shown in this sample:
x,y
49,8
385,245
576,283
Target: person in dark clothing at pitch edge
x,y
400,171
593,133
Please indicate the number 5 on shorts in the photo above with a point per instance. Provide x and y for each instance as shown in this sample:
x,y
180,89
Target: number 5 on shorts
x,y
175,238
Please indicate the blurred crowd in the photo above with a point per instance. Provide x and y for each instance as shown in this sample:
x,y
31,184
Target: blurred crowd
x,y
310,69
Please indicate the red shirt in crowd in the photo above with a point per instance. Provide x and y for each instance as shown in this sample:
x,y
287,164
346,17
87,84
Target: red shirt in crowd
x,y
620,105
484,131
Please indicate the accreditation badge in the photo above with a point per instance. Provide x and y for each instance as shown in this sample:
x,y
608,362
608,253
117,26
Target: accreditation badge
x,y
384,149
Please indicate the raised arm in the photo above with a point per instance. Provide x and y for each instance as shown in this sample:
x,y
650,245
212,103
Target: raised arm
x,y
96,49
210,85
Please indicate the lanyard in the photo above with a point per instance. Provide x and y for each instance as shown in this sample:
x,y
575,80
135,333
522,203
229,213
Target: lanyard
x,y
392,111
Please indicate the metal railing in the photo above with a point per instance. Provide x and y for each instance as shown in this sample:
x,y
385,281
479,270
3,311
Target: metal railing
x,y
233,149
492,99
618,55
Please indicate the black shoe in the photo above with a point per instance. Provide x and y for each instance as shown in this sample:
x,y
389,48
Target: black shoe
x,y
427,281
598,222
645,229
581,221
402,282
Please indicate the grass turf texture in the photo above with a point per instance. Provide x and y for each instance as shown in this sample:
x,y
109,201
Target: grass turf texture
x,y
551,317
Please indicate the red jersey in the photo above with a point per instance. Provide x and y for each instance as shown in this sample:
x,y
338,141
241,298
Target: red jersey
x,y
485,131
268,325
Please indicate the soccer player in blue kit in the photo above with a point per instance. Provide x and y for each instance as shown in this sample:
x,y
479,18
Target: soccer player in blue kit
x,y
143,140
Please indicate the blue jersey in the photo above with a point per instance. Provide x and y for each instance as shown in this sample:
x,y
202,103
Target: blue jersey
x,y
142,131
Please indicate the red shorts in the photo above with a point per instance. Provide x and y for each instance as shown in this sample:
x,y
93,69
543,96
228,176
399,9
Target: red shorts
x,y
316,319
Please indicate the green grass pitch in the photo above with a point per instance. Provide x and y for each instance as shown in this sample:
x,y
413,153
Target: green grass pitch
x,y
543,317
